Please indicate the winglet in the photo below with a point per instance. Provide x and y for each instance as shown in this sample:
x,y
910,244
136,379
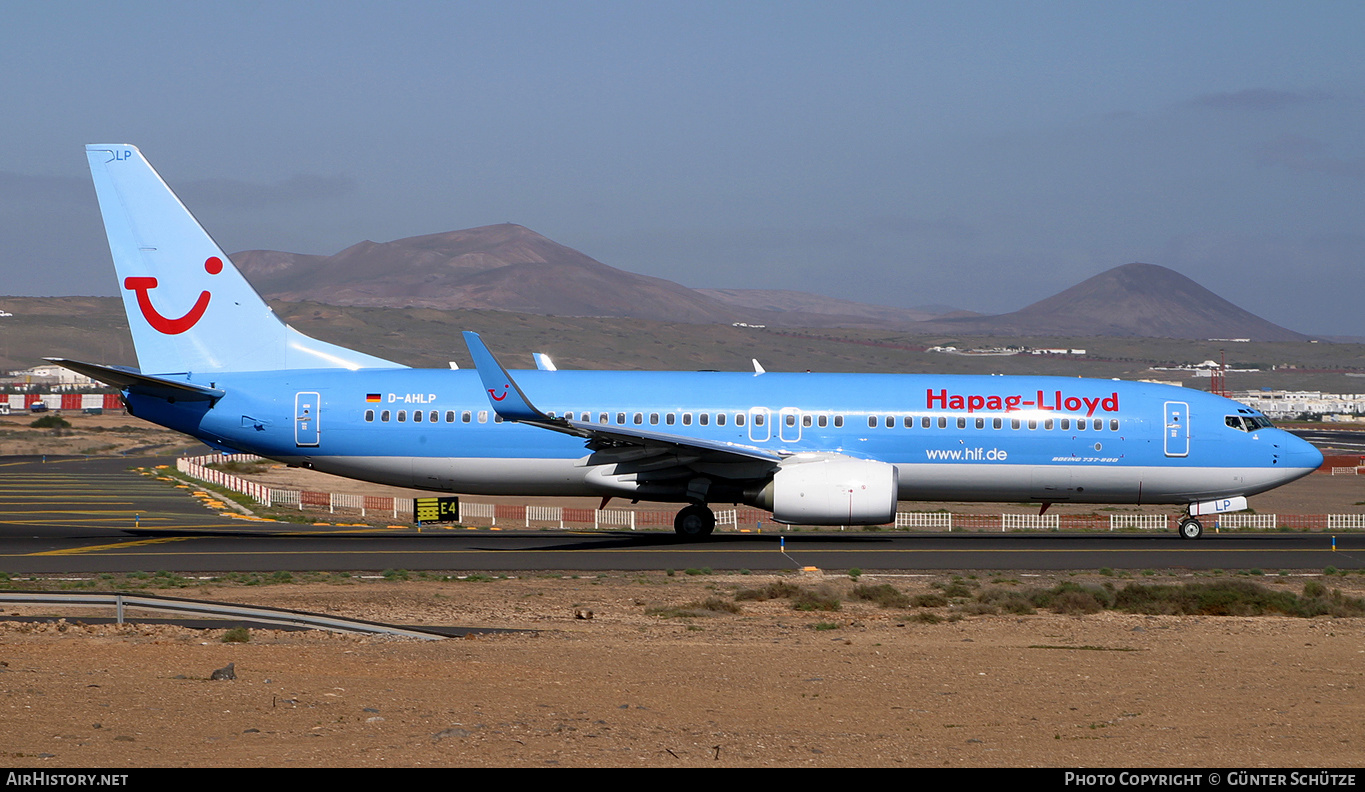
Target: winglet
x,y
507,399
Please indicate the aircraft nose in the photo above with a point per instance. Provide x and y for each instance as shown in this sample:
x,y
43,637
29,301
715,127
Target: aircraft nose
x,y
1297,453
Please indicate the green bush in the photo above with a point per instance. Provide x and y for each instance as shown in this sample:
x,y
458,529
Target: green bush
x,y
51,421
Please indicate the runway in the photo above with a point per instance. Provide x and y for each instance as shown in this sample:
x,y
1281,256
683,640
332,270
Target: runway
x,y
78,516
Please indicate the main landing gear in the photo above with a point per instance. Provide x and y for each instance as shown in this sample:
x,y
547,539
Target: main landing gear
x,y
1190,528
694,522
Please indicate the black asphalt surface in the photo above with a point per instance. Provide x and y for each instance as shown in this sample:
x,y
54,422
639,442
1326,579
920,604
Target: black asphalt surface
x,y
79,516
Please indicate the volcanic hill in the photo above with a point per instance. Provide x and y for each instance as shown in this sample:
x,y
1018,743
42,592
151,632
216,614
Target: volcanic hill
x,y
1142,300
511,268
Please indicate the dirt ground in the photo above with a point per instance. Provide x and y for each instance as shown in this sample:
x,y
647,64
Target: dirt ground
x,y
110,434
633,687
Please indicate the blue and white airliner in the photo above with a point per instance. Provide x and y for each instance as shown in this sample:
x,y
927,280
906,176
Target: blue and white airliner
x,y
814,449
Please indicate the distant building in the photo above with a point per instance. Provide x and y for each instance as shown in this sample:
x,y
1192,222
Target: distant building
x,y
1302,404
63,378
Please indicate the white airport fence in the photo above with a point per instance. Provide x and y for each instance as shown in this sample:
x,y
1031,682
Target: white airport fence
x,y
198,467
924,520
1030,522
1345,471
1156,522
1338,522
1262,521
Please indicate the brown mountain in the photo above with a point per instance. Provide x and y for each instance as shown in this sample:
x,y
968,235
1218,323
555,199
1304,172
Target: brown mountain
x,y
1143,300
502,267
512,268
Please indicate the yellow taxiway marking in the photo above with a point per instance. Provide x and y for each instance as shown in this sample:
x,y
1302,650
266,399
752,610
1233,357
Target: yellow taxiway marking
x,y
97,548
485,551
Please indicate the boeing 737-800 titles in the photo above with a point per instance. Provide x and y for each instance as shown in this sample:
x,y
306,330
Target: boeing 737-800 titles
x,y
815,449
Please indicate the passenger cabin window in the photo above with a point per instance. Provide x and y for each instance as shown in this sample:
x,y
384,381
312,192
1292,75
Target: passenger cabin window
x,y
483,416
980,423
996,423
1113,424
1014,423
402,416
369,416
653,419
417,416
872,422
890,422
384,416
942,422
824,421
838,422
758,419
669,418
1066,424
962,423
466,416
924,422
450,416
720,419
687,419
806,420
638,418
704,418
620,419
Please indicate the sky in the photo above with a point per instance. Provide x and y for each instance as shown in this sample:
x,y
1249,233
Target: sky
x,y
981,155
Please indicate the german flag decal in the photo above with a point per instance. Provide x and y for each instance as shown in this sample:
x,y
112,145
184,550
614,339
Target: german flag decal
x,y
373,398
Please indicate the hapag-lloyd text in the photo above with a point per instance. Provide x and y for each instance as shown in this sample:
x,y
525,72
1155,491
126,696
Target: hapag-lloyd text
x,y
1059,402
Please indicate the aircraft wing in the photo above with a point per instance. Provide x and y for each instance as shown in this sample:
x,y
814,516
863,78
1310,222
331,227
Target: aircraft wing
x,y
511,404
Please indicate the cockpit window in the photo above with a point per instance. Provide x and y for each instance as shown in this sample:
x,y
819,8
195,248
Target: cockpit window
x,y
1248,423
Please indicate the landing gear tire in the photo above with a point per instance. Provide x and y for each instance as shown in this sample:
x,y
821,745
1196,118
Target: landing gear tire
x,y
1191,528
694,522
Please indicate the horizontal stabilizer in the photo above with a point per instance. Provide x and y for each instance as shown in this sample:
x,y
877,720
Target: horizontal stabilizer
x,y
125,378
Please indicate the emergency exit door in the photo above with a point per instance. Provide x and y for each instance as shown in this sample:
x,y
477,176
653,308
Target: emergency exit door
x,y
306,418
1177,429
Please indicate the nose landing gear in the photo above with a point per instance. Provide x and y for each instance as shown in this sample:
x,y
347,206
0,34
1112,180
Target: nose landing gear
x,y
1190,528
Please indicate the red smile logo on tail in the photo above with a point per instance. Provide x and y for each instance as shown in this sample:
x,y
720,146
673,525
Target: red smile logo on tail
x,y
142,285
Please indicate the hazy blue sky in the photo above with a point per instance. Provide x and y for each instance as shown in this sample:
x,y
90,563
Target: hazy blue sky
x,y
979,154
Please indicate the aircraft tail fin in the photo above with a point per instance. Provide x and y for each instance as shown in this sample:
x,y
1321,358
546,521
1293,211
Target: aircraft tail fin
x,y
188,307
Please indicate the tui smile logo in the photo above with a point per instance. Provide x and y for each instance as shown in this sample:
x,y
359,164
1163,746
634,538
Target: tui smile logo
x,y
495,396
143,285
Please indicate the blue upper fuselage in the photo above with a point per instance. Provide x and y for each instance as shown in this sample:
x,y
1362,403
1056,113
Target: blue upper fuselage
x,y
903,419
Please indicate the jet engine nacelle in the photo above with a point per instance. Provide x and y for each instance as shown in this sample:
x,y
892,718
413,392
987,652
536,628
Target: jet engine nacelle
x,y
832,491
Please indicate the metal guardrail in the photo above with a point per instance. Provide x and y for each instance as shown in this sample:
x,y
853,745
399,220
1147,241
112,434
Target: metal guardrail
x,y
120,601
